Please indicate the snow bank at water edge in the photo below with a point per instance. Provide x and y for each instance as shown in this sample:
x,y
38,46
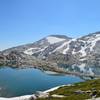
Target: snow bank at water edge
x,y
28,97
55,88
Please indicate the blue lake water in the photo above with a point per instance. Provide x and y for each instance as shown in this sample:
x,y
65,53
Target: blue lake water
x,y
16,82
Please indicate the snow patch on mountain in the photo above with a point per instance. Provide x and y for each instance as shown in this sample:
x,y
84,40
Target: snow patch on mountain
x,y
93,41
82,51
82,59
68,47
91,71
88,71
60,47
53,40
82,67
31,51
73,52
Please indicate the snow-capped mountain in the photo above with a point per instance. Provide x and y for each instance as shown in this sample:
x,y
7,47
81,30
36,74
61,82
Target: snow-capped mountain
x,y
81,54
42,45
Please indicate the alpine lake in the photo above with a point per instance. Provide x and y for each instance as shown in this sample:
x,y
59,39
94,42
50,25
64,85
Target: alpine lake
x,y
17,82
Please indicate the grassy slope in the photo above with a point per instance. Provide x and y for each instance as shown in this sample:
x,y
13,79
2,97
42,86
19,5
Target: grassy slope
x,y
69,91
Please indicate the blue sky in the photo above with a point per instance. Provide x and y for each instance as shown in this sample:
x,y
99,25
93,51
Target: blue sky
x,y
25,21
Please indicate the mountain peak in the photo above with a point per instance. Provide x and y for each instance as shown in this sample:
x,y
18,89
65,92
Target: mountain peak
x,y
60,36
54,39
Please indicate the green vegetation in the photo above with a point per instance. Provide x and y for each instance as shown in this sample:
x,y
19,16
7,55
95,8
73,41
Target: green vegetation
x,y
70,92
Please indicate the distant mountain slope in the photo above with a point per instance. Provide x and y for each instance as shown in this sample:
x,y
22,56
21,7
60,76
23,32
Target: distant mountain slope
x,y
81,54
41,44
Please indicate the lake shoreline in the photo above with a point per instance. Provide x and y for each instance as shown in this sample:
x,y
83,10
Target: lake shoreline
x,y
31,80
58,71
33,95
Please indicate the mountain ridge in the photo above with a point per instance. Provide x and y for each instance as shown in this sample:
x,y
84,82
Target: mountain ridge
x,y
81,54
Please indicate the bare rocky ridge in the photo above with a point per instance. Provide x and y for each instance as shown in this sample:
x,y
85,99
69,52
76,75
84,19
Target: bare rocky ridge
x,y
81,54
